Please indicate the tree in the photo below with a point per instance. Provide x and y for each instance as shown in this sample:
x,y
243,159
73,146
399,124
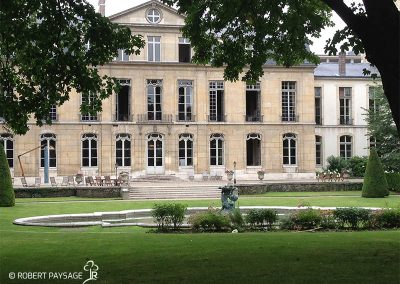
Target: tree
x,y
375,184
7,198
381,128
48,48
243,34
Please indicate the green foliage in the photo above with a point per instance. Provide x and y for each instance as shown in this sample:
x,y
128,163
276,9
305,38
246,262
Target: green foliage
x,y
328,220
236,219
209,221
387,218
7,197
306,219
336,164
381,126
167,214
375,184
45,54
357,165
352,217
393,180
261,217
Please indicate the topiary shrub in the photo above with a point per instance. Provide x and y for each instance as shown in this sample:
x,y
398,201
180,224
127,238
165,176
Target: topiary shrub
x,y
306,219
260,217
352,217
209,221
7,196
393,180
375,184
167,214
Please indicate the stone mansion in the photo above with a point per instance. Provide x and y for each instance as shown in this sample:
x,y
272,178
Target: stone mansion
x,y
172,117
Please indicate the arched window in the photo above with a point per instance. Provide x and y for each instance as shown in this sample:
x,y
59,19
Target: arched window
x,y
89,150
253,149
345,147
289,149
123,150
185,150
153,16
7,140
318,150
48,140
217,149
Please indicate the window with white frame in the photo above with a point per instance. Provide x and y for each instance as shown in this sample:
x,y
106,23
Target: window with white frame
x,y
253,149
289,149
153,16
253,102
154,92
89,150
123,150
122,55
154,48
184,50
48,143
318,105
185,100
185,150
87,99
318,150
53,113
7,141
216,89
288,101
345,105
373,92
217,149
345,147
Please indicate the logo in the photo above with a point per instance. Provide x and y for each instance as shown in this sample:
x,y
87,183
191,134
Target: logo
x,y
92,268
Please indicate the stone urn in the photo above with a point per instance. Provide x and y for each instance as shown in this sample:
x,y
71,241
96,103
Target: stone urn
x,y
229,175
79,178
260,175
124,178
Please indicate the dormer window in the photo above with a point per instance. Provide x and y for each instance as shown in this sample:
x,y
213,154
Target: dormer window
x,y
153,16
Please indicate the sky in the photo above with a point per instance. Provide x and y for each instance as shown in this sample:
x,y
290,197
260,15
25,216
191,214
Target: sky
x,y
115,6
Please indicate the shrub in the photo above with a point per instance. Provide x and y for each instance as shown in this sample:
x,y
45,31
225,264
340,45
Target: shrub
x,y
211,220
357,166
393,180
387,218
306,219
7,196
261,217
236,219
166,214
375,184
352,217
328,221
336,164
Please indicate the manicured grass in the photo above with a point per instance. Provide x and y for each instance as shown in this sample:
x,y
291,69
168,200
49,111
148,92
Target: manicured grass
x,y
131,255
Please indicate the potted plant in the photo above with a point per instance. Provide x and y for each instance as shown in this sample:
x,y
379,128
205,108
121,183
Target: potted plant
x,y
261,174
229,174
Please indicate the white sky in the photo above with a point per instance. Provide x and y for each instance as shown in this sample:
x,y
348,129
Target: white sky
x,y
115,6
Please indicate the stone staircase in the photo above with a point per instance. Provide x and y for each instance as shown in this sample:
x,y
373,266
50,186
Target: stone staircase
x,y
176,191
156,178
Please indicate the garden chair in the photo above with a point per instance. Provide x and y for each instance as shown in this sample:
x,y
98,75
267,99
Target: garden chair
x,y
53,181
38,182
24,183
107,181
99,182
71,180
205,176
64,181
91,181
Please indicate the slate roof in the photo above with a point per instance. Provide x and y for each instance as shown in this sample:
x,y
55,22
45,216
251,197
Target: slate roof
x,y
353,70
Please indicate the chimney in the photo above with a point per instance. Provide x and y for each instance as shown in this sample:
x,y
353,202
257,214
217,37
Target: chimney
x,y
342,63
102,7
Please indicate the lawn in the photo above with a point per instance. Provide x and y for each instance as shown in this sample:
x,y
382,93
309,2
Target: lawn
x,y
132,255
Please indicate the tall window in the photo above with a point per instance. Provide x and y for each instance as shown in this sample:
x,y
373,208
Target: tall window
x,y
216,101
53,113
7,142
318,150
123,150
48,140
154,48
185,100
288,101
289,149
373,91
123,101
185,150
345,147
89,150
253,149
122,55
345,105
318,107
154,91
217,149
88,99
253,94
184,50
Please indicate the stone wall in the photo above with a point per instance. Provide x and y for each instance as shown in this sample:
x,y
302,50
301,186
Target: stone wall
x,y
93,192
298,187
